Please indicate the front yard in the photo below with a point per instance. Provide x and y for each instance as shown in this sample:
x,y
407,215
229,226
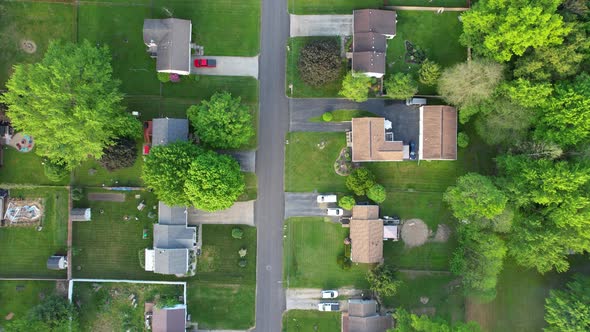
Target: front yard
x,y
25,250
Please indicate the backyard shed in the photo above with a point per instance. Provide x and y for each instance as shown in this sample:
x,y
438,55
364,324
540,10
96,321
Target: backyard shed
x,y
57,263
80,214
171,319
391,232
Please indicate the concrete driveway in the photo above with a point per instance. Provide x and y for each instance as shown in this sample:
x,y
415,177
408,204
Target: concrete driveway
x,y
308,298
229,66
305,205
246,159
320,25
241,213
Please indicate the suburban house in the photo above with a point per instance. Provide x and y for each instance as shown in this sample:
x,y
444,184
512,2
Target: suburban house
x,y
80,214
168,130
371,29
57,262
366,234
173,242
362,316
373,140
170,319
169,41
438,133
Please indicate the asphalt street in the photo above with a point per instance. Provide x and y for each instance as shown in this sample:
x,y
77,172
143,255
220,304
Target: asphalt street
x,y
270,156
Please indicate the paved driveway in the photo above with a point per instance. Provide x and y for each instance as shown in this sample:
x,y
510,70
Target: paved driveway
x,y
320,25
246,159
405,119
308,298
229,66
305,205
240,213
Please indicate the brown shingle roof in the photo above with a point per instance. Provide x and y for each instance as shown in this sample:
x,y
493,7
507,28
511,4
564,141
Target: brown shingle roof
x,y
369,42
362,316
169,319
368,141
438,132
368,62
374,20
366,234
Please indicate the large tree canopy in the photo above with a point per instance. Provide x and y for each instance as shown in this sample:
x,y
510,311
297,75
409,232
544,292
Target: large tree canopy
x,y
69,102
569,310
214,182
500,29
360,181
400,86
222,122
475,197
319,62
355,87
408,322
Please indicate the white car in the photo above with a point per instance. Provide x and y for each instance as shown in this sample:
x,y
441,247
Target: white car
x,y
329,294
331,306
335,212
327,198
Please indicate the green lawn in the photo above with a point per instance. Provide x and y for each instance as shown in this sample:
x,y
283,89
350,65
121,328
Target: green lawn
x,y
300,88
222,306
21,301
251,191
428,3
24,168
435,34
345,115
302,7
308,320
24,249
310,250
35,21
109,308
309,167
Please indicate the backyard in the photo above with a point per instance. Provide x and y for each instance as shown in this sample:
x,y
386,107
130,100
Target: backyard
x,y
346,6
307,320
25,250
19,297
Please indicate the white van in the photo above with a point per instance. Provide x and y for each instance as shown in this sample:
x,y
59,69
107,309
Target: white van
x,y
416,101
327,198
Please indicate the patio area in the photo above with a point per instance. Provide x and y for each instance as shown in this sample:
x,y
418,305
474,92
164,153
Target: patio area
x,y
22,142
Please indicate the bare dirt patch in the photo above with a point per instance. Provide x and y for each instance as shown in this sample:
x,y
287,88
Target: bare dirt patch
x,y
443,232
414,232
28,46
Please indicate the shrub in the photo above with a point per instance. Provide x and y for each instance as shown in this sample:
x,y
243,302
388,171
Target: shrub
x,y
401,86
242,252
327,117
429,72
55,172
377,193
360,181
356,87
237,233
77,194
164,77
319,62
346,202
120,155
242,263
462,140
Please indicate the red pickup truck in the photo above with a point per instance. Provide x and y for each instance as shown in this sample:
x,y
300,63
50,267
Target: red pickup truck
x,y
205,63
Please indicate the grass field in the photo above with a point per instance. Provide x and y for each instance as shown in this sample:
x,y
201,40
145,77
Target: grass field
x,y
345,115
20,302
24,249
307,320
435,34
300,88
310,251
309,167
110,309
24,168
251,191
330,6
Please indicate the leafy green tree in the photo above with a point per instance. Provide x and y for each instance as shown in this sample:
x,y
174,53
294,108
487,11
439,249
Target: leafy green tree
x,y
355,87
526,93
319,62
56,312
429,72
55,171
470,82
346,202
502,122
214,182
383,280
360,181
462,139
566,120
475,197
500,29
69,102
408,322
478,260
222,122
569,310
377,193
400,86
165,171
578,7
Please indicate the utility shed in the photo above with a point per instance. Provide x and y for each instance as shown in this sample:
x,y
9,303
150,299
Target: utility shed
x,y
169,319
80,214
57,263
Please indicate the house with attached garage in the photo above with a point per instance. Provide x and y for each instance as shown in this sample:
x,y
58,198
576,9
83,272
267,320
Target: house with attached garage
x,y
169,42
371,29
362,316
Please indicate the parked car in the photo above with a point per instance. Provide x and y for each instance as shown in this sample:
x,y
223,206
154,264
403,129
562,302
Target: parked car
x,y
205,63
327,198
416,101
331,306
329,294
412,150
335,212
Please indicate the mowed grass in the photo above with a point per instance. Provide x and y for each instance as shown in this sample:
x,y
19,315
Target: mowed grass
x,y
311,248
108,246
437,35
34,21
310,167
110,309
24,168
345,115
308,320
300,88
24,249
222,306
302,7
428,3
20,302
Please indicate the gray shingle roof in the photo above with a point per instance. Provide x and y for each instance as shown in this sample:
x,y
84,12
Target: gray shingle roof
x,y
171,261
167,130
171,215
174,236
172,38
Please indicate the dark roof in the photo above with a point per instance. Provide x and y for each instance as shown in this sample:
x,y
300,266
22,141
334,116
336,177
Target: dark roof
x,y
166,130
368,62
369,42
362,308
172,38
363,317
169,319
438,132
375,20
